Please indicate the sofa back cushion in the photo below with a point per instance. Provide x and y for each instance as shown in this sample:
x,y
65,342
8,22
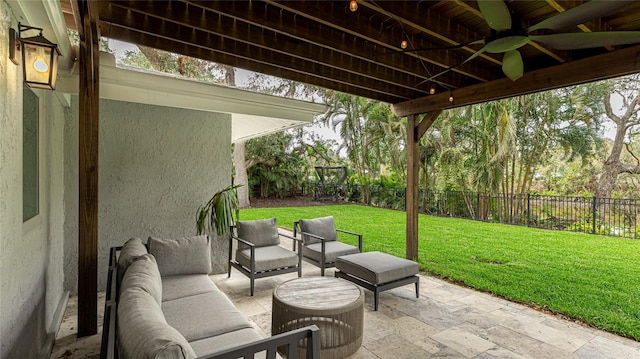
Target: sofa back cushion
x,y
322,227
143,273
131,250
261,233
188,255
143,331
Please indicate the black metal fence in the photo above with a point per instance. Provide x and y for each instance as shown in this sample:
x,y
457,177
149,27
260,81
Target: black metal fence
x,y
607,216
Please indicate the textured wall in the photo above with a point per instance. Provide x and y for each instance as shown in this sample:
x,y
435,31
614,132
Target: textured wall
x,y
156,166
31,274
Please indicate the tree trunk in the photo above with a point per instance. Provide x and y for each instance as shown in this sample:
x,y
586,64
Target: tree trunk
x,y
241,176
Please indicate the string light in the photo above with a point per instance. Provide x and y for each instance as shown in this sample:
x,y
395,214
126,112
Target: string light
x,y
353,5
403,44
432,89
451,97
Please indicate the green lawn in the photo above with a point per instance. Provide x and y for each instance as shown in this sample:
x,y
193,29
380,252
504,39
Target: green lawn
x,y
592,278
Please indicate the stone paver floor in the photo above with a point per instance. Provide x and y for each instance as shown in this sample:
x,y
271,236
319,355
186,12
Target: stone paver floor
x,y
447,321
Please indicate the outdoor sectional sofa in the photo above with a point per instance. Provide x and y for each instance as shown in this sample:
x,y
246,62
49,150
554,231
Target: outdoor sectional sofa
x,y
161,303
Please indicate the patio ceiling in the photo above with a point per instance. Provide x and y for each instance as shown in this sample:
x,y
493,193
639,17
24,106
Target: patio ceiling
x,y
324,43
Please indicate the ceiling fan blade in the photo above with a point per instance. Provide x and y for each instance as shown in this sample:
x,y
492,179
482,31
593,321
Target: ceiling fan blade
x,y
512,65
587,40
496,14
476,54
579,14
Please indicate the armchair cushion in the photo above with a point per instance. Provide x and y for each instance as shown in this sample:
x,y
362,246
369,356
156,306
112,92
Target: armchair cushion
x,y
324,227
189,255
333,250
268,258
262,233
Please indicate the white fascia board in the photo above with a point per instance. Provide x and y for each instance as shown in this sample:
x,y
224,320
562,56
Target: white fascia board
x,y
253,114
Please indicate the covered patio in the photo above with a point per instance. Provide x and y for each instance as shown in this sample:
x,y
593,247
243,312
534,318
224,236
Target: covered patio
x,y
421,56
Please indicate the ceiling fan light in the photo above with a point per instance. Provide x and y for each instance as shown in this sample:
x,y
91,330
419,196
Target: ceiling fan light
x,y
505,44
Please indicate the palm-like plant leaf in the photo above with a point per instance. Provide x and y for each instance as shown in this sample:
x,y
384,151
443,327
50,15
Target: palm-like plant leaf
x,y
221,212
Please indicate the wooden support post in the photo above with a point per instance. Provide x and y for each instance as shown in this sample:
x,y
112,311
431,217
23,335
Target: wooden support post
x,y
88,173
413,168
415,130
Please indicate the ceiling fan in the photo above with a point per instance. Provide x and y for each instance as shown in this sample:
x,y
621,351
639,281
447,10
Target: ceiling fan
x,y
509,37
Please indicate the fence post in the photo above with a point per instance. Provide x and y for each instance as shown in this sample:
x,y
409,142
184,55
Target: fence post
x,y
528,209
593,208
477,205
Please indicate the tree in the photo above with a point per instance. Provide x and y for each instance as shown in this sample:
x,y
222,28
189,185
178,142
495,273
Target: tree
x,y
626,119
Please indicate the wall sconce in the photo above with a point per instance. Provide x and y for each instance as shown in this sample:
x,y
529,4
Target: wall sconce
x,y
39,57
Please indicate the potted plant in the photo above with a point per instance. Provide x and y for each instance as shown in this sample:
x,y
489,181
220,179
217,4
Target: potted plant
x,y
220,212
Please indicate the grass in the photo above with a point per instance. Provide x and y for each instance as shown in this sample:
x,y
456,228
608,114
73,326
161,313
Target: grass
x,y
594,279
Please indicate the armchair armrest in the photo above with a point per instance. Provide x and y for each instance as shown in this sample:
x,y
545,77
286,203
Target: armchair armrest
x,y
252,255
355,234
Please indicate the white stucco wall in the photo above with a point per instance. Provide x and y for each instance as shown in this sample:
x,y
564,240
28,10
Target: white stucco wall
x,y
156,166
31,253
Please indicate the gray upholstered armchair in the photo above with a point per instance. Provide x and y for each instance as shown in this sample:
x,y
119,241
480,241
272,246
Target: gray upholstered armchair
x,y
259,253
320,245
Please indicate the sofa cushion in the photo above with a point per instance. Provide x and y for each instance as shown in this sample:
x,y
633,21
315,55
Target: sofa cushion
x,y
332,250
262,232
268,258
180,286
131,249
143,331
143,273
225,341
188,255
204,315
322,227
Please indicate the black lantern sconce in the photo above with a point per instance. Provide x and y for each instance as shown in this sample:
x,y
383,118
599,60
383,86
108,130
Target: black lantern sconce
x,y
39,57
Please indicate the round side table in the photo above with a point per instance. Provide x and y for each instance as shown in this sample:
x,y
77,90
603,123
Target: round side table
x,y
336,306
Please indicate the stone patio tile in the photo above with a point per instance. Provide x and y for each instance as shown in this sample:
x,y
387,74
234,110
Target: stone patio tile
x,y
521,344
394,346
416,332
481,302
263,321
464,342
481,318
445,294
601,347
545,333
498,353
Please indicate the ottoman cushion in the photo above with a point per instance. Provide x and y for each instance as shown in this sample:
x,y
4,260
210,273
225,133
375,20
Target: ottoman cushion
x,y
377,267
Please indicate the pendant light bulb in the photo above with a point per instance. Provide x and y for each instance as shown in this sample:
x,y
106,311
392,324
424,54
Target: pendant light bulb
x,y
451,97
353,5
403,44
432,90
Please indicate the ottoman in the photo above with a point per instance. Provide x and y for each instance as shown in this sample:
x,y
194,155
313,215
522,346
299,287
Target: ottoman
x,y
377,272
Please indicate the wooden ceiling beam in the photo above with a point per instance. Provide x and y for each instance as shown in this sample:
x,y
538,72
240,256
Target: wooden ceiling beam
x,y
304,30
351,26
599,67
436,27
190,27
260,63
265,51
